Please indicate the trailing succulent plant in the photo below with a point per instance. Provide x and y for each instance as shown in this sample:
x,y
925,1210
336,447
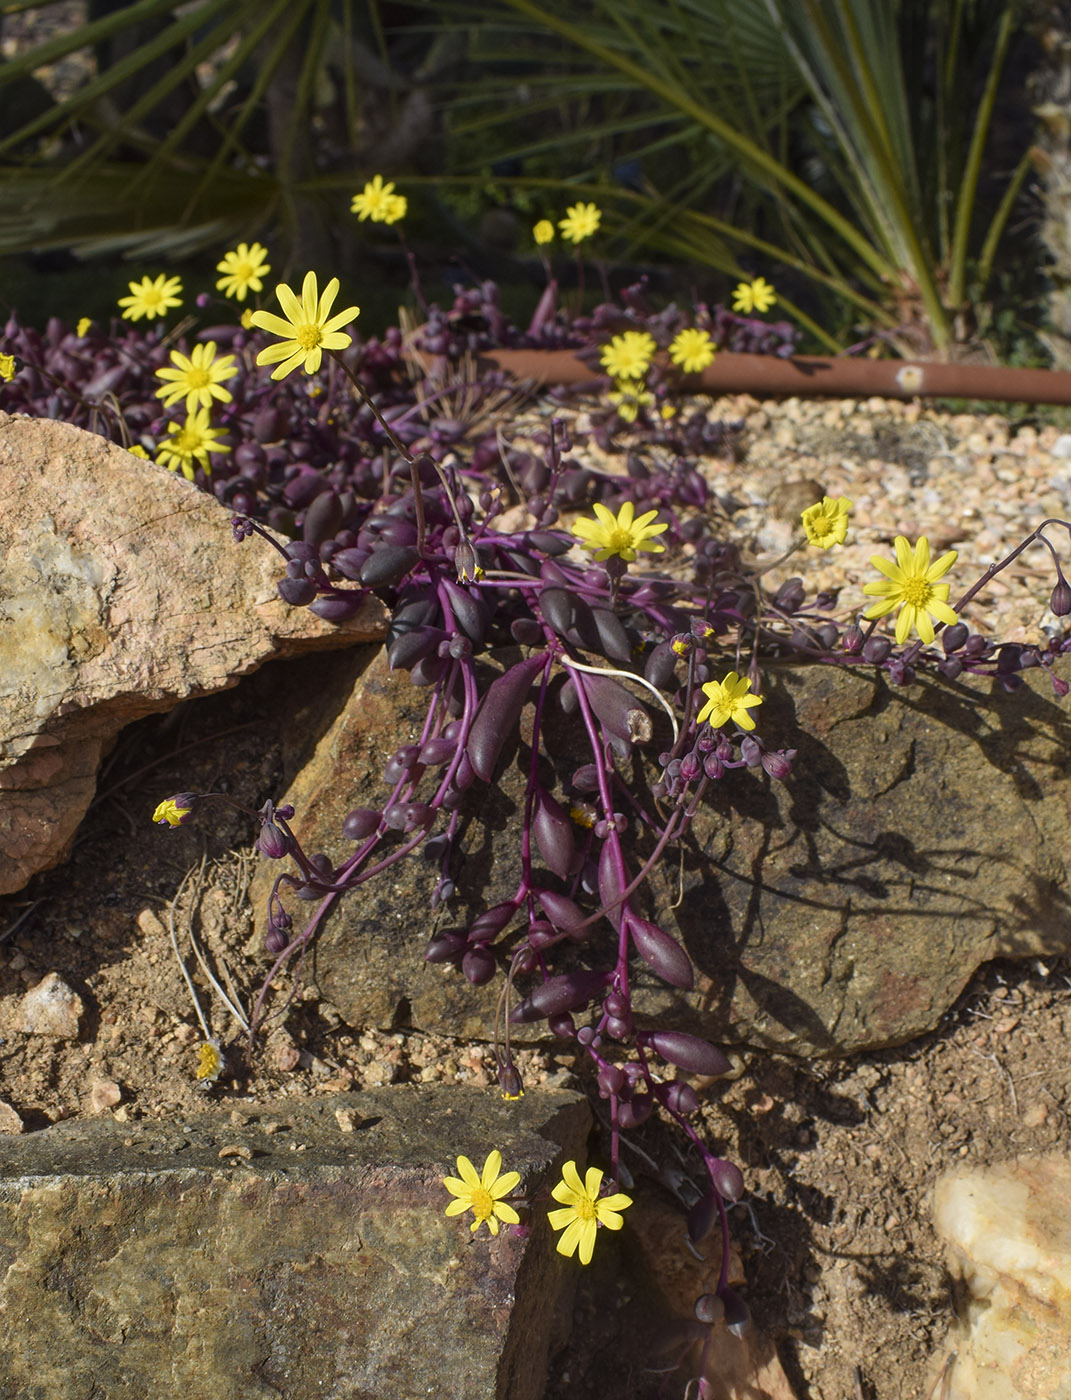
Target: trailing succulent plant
x,y
381,468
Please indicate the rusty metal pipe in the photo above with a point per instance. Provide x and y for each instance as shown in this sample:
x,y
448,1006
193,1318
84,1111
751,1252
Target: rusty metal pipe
x,y
832,376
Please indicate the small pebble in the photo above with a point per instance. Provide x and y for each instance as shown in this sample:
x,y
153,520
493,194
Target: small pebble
x,y
104,1094
10,1122
51,1009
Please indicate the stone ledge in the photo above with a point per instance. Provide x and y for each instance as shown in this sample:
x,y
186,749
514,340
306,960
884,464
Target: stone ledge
x,y
292,1249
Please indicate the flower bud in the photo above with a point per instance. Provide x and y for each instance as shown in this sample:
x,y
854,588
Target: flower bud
x,y
510,1082
952,638
275,940
789,596
876,649
273,841
779,765
750,751
852,639
1060,602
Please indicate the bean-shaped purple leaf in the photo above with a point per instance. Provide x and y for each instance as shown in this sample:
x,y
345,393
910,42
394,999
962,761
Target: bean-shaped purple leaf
x,y
616,708
611,882
492,921
701,1216
298,592
565,993
323,519
388,564
410,647
727,1178
612,635
660,667
662,954
471,613
560,910
338,608
496,719
553,832
688,1052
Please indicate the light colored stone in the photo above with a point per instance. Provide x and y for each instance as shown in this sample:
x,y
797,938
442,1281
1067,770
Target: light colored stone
x,y
200,1258
52,1009
122,592
10,1122
1008,1232
104,1094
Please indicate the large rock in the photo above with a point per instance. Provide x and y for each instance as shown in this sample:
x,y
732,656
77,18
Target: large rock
x,y
922,831
122,592
1008,1236
301,1253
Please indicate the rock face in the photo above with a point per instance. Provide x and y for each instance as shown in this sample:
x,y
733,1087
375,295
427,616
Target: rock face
x,y
122,592
1008,1231
282,1258
923,830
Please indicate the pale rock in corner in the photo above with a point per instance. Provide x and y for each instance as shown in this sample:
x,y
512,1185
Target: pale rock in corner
x,y
52,1009
1008,1233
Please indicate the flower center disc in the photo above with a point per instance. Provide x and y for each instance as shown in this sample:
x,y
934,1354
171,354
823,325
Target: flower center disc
x,y
482,1204
916,592
308,337
198,378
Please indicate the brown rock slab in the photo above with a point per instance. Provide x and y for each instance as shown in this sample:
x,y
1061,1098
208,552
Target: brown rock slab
x,y
923,830
279,1257
122,592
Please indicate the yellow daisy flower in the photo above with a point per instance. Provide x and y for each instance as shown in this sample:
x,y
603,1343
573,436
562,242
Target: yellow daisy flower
x,y
629,396
619,534
198,376
191,443
728,700
628,356
826,523
151,298
378,202
242,269
83,325
756,295
583,1211
543,232
210,1062
8,368
692,350
173,811
911,584
307,331
580,222
482,1193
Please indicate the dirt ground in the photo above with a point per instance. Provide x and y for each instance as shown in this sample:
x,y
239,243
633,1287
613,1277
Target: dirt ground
x,y
843,1270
